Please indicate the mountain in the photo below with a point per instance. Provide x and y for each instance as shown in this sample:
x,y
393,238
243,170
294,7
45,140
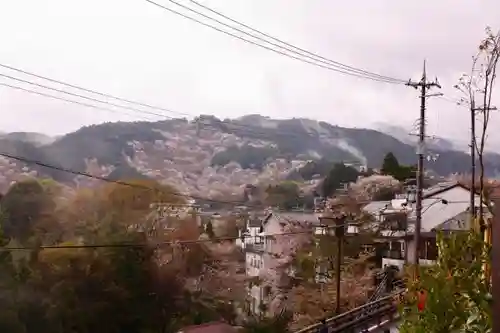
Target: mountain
x,y
407,136
210,157
37,139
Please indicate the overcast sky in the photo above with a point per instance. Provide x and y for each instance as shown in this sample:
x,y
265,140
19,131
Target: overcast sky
x,y
138,51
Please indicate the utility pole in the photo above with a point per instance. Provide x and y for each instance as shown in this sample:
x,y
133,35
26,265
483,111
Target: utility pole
x,y
339,233
339,224
424,85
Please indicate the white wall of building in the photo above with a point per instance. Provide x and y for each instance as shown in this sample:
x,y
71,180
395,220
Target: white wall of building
x,y
251,236
254,259
435,212
254,263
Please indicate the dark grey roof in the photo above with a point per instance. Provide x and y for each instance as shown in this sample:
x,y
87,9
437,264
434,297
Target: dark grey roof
x,y
311,218
439,188
254,222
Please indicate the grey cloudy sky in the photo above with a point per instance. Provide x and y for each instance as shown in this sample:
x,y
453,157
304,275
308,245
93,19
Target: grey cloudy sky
x,y
135,50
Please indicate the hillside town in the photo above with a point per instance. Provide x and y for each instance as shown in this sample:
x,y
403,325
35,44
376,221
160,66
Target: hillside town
x,y
281,193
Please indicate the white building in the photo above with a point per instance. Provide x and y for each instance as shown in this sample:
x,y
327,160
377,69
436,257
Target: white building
x,y
445,207
259,242
251,234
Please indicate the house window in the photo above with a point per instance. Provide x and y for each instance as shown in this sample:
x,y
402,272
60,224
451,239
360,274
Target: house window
x,y
395,250
428,249
395,222
267,291
396,246
431,249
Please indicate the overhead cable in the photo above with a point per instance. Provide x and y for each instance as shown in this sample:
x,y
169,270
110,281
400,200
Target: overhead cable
x,y
299,57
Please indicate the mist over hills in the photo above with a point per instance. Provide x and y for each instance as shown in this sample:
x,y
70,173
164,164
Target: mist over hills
x,y
213,157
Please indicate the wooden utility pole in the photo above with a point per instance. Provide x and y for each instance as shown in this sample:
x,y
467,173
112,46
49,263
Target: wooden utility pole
x,y
424,85
339,233
339,223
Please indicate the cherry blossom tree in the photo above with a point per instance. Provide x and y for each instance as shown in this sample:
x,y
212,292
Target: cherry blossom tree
x,y
312,302
281,250
375,187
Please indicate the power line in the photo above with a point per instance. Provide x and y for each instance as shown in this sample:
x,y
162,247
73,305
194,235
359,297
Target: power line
x,y
176,242
172,193
79,173
312,54
133,185
254,129
248,128
194,241
92,91
65,99
263,46
84,97
118,182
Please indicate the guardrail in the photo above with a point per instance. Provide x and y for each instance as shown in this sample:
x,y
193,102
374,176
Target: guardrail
x,y
361,317
381,288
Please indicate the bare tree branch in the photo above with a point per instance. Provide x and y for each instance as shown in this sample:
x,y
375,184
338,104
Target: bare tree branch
x,y
479,85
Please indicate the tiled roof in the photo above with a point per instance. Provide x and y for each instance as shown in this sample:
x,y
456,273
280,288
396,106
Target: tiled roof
x,y
311,218
438,188
376,206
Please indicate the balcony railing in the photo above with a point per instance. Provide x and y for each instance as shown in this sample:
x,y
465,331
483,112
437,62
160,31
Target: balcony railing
x,y
255,247
393,254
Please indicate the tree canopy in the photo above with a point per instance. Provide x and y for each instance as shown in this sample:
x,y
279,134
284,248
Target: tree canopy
x,y
391,167
249,157
340,174
25,207
107,265
285,195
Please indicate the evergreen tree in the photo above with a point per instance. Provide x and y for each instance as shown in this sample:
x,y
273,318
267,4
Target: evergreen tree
x,y
340,174
390,166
